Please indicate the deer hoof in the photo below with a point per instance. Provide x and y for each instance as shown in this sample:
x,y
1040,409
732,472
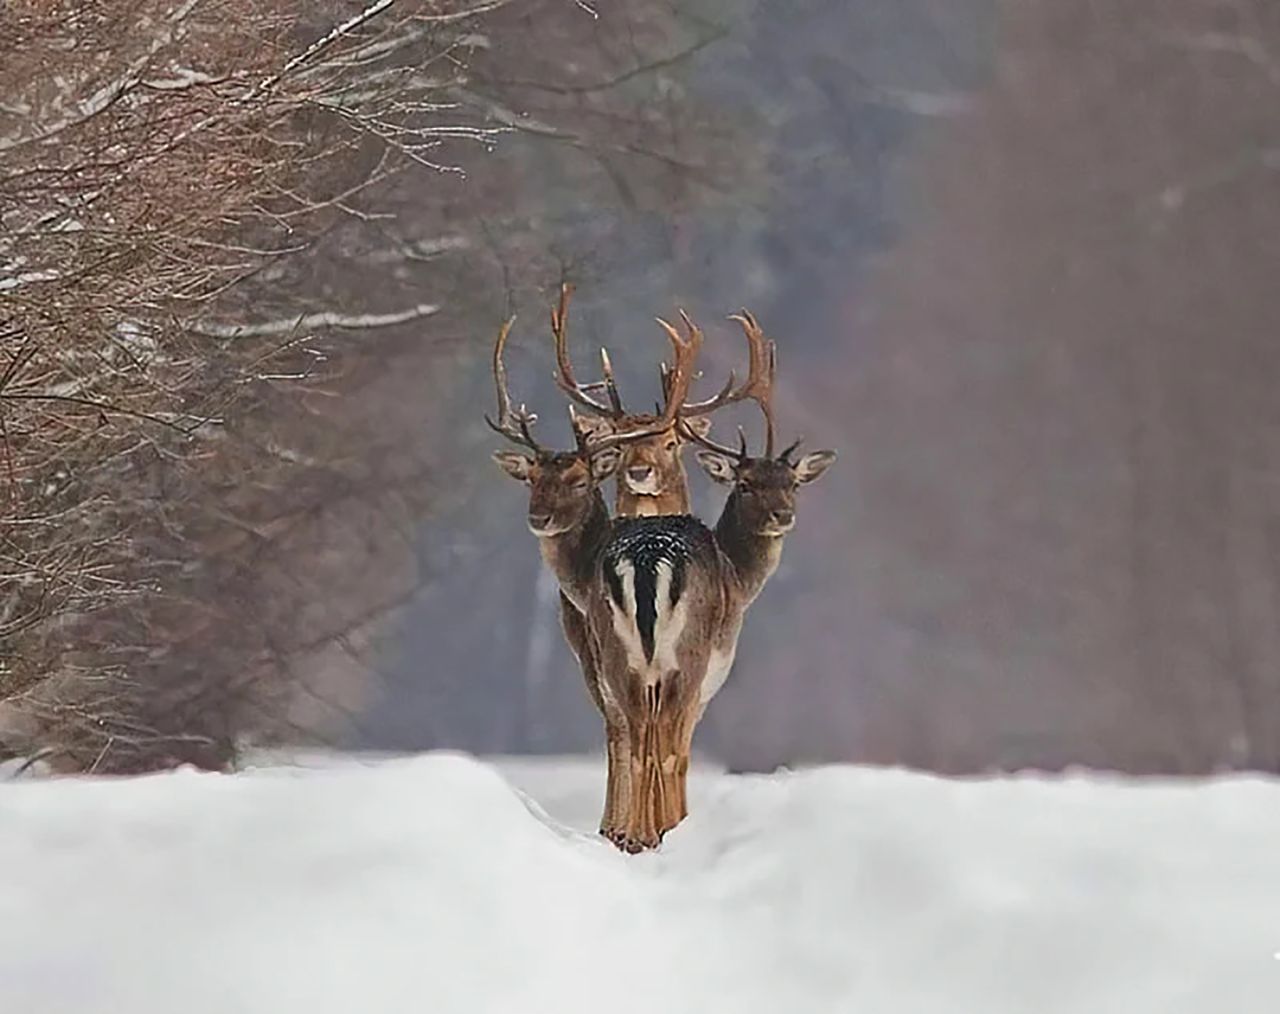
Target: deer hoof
x,y
634,845
623,842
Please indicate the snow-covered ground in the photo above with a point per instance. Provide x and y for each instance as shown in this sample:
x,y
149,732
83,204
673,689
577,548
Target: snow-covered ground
x,y
441,884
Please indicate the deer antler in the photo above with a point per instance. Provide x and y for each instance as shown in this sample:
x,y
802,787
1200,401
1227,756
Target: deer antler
x,y
790,449
677,379
759,383
564,375
512,423
739,453
758,387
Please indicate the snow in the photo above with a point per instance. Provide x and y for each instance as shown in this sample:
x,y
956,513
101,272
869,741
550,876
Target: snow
x,y
444,884
26,278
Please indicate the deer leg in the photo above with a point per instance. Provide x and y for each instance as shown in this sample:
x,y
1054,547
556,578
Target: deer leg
x,y
656,762
651,815
642,825
641,798
688,721
617,796
617,752
668,749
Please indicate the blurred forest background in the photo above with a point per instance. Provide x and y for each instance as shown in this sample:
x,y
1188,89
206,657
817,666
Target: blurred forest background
x,y
1019,257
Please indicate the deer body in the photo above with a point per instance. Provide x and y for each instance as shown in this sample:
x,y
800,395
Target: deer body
x,y
651,482
665,613
568,514
652,603
656,597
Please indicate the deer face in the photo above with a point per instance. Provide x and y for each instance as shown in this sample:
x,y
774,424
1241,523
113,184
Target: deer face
x,y
650,466
764,489
562,486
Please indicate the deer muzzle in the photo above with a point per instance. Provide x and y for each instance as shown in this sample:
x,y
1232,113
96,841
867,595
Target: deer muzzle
x,y
642,479
781,521
540,523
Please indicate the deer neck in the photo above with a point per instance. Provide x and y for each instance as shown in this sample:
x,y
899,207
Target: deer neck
x,y
571,554
754,557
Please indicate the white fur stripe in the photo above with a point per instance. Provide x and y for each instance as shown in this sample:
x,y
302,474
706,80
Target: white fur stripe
x,y
670,622
624,617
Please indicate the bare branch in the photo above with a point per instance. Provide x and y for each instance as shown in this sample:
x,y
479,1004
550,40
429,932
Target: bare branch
x,y
312,321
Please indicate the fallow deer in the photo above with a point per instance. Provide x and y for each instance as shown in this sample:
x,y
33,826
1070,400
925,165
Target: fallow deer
x,y
568,515
651,479
667,604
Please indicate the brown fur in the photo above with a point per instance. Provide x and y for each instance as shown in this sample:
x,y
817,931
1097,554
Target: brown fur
x,y
651,479
566,504
649,724
666,491
661,709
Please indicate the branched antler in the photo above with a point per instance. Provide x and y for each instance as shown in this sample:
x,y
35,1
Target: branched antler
x,y
512,423
677,379
565,378
760,373
515,423
738,454
758,387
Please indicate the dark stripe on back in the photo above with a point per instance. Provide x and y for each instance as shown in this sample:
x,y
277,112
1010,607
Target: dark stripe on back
x,y
645,543
647,607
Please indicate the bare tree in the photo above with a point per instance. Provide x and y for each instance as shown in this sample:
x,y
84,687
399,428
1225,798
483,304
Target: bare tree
x,y
163,164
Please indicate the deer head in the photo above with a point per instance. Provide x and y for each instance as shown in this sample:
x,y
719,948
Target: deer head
x,y
651,476
764,489
762,503
563,485
651,469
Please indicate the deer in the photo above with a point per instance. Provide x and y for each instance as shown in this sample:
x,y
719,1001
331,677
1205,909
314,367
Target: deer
x,y
667,602
651,478
568,515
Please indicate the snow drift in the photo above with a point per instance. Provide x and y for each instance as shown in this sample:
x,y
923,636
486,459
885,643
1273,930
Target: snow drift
x,y
434,884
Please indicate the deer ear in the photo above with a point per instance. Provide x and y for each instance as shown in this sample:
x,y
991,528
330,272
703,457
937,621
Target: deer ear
x,y
605,463
813,465
518,466
717,466
700,424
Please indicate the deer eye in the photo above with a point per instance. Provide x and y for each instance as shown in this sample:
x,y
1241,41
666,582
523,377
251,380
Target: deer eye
x,y
580,485
671,445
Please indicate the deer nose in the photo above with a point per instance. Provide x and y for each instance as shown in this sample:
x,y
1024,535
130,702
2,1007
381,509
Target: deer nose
x,y
639,472
785,516
539,521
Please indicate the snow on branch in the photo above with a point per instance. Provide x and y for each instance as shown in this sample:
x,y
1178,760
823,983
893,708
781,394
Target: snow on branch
x,y
321,44
107,94
312,321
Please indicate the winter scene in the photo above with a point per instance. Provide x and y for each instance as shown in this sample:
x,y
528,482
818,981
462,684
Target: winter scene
x,y
556,506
